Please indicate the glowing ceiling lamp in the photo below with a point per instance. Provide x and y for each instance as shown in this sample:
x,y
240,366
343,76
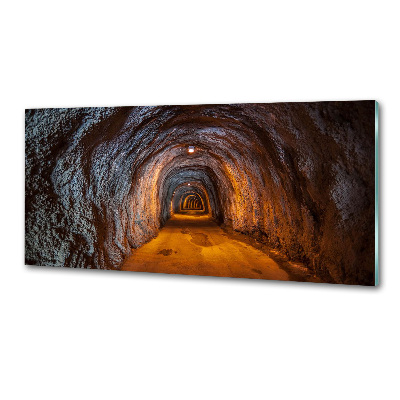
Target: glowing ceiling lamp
x,y
191,149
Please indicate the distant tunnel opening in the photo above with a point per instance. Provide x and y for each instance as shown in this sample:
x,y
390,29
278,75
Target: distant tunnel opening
x,y
191,197
190,202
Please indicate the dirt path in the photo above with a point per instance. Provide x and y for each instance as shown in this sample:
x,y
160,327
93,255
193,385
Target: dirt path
x,y
196,245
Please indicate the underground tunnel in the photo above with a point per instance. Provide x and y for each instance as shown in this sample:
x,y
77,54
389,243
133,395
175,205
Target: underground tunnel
x,y
272,191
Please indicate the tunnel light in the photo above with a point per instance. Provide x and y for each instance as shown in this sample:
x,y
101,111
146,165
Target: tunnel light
x,y
188,184
191,149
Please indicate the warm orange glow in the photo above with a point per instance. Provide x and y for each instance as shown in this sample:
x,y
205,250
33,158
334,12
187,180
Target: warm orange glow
x,y
191,149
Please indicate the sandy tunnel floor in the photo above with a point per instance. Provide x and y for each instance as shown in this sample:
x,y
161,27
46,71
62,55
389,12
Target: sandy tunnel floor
x,y
196,245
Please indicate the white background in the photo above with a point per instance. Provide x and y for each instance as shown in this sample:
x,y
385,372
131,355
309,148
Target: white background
x,y
69,334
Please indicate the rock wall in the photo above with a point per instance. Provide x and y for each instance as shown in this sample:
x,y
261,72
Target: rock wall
x,y
298,176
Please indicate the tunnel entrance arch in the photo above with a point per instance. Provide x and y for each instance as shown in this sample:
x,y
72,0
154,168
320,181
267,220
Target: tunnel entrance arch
x,y
191,201
192,198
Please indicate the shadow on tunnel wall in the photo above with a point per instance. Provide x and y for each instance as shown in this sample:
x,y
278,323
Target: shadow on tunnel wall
x,y
297,177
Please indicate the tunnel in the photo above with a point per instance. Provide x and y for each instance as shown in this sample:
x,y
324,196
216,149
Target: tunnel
x,y
296,178
190,201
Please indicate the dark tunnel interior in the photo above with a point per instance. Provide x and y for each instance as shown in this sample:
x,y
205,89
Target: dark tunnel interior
x,y
298,177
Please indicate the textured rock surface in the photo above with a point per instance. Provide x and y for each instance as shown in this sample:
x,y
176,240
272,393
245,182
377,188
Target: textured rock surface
x,y
299,176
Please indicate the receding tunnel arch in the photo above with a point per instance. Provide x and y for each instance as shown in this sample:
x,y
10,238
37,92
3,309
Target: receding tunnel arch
x,y
191,201
101,181
195,188
202,179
